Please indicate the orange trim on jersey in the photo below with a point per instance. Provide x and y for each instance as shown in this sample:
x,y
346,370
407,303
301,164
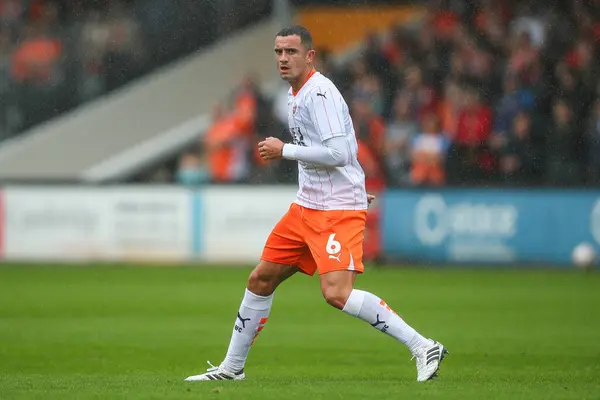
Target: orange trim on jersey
x,y
311,73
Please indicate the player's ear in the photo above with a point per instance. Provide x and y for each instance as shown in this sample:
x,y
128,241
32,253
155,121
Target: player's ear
x,y
310,55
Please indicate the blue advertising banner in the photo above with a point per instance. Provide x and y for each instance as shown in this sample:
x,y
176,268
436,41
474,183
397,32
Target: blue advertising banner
x,y
489,225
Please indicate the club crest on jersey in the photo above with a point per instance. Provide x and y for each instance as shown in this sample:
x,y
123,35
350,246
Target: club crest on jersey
x,y
294,108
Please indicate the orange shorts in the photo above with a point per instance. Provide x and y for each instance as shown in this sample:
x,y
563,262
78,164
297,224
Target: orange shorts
x,y
318,240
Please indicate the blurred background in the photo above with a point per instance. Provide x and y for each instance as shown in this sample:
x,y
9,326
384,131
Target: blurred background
x,y
128,133
128,129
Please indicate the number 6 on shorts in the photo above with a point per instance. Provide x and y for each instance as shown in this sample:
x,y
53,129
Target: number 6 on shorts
x,y
333,246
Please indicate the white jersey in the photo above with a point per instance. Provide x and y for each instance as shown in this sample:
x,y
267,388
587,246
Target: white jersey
x,y
317,113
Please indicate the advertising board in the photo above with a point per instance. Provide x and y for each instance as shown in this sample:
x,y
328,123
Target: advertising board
x,y
124,223
489,226
236,221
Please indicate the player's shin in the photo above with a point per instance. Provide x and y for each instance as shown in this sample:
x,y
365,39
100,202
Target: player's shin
x,y
379,315
251,319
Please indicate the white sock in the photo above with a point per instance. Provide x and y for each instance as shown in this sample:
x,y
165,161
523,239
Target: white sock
x,y
376,312
251,319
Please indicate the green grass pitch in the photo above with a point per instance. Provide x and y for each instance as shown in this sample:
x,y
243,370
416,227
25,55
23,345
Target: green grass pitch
x,y
116,332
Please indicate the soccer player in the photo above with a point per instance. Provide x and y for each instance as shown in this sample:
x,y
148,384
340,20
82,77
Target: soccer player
x,y
323,229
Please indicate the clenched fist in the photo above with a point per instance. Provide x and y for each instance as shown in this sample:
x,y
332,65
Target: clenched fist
x,y
270,149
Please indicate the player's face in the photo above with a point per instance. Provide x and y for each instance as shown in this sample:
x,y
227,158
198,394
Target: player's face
x,y
292,57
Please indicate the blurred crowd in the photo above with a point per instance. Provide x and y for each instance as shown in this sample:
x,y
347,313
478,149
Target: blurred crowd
x,y
489,92
58,54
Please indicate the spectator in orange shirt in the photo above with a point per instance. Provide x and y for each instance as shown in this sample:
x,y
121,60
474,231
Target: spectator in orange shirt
x,y
227,148
245,106
37,59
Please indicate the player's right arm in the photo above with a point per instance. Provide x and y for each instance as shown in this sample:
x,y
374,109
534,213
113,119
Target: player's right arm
x,y
335,152
326,110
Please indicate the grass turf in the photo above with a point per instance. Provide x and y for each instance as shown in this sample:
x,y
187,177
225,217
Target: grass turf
x,y
125,333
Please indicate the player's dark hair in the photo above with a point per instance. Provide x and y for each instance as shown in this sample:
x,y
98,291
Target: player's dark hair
x,y
305,36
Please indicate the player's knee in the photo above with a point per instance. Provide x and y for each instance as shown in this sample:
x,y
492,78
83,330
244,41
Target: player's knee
x,y
260,283
336,296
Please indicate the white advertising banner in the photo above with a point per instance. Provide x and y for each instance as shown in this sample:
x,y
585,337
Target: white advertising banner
x,y
98,223
237,220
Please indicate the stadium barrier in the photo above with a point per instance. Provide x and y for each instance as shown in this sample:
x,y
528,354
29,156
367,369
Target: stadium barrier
x,y
230,224
97,223
237,220
139,223
489,226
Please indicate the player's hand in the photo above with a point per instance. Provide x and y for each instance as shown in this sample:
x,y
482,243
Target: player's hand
x,y
370,198
270,149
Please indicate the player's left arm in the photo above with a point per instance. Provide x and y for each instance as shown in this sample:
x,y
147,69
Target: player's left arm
x,y
326,109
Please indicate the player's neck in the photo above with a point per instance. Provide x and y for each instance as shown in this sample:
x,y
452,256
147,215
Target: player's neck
x,y
297,85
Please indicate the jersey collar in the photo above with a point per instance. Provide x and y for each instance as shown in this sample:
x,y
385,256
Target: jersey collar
x,y
310,74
